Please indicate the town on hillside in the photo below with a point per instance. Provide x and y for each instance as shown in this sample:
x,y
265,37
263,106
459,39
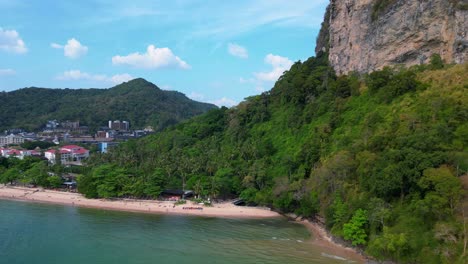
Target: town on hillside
x,y
67,134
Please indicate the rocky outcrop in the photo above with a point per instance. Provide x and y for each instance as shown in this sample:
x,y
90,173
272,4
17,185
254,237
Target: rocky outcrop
x,y
366,35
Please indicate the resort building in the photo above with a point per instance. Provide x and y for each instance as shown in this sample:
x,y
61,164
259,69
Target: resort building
x,y
68,154
11,140
119,125
15,153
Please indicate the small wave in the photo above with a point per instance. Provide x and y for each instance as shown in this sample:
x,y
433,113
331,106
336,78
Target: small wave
x,y
300,241
332,256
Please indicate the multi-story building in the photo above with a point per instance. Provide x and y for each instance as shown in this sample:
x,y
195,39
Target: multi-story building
x,y
69,153
102,134
119,125
11,140
70,125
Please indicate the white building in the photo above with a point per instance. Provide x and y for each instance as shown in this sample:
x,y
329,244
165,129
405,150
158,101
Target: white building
x,y
69,153
11,140
14,153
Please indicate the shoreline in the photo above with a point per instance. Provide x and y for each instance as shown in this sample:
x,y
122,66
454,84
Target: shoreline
x,y
320,236
325,240
226,209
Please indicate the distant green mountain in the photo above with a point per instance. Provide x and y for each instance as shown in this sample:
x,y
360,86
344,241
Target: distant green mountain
x,y
138,101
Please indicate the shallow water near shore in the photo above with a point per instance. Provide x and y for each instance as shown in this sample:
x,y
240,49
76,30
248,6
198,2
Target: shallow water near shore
x,y
42,233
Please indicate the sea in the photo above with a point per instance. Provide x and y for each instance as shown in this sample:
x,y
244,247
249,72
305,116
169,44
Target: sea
x,y
43,233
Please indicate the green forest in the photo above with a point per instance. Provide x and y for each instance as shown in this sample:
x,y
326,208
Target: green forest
x,y
379,156
138,101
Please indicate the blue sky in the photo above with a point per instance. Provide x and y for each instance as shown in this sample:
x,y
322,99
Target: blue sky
x,y
213,51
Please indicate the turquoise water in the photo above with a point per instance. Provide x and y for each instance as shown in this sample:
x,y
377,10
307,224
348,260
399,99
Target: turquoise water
x,y
40,233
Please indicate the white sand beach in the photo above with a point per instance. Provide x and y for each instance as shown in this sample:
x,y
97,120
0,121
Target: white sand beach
x,y
225,209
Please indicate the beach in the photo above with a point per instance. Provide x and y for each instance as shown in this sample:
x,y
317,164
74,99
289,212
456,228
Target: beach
x,y
225,209
323,239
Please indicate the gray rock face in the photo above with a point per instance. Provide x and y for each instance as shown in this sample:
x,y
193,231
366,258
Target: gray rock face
x,y
405,32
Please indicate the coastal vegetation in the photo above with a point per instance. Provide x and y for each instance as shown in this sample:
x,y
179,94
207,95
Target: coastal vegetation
x,y
138,101
379,156
30,171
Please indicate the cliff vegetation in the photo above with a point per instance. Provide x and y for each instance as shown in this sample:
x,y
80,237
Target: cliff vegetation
x,y
379,156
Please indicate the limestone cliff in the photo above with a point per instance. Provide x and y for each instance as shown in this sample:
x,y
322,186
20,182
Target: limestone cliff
x,y
365,35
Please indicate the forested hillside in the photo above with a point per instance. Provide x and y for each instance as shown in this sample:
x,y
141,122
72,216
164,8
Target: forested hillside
x,y
138,101
378,155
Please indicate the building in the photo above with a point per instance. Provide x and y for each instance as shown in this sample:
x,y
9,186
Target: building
x,y
52,124
70,125
53,154
119,125
69,153
77,153
15,153
102,134
11,140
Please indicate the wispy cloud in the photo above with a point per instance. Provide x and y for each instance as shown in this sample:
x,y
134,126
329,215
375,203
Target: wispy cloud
x,y
196,96
224,101
238,51
74,75
7,72
10,41
213,18
154,58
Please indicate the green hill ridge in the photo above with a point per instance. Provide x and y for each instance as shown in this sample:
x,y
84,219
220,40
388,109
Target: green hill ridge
x,y
138,101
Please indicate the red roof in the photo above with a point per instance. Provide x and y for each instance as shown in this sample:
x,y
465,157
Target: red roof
x,y
80,151
71,147
13,152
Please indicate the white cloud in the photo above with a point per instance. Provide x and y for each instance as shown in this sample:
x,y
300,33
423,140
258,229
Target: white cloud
x,y
120,78
154,58
7,72
74,75
196,96
250,80
224,102
260,89
238,51
73,49
279,64
56,46
10,41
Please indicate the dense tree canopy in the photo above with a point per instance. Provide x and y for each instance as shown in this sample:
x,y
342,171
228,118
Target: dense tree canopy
x,y
379,156
138,101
